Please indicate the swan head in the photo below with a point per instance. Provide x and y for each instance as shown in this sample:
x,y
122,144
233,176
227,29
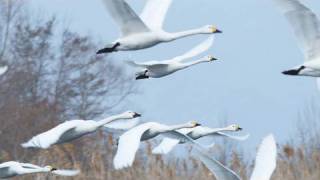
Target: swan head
x,y
210,58
142,75
50,168
130,115
212,29
193,124
234,127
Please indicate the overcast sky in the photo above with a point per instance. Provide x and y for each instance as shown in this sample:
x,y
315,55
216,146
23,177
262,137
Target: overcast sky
x,y
245,86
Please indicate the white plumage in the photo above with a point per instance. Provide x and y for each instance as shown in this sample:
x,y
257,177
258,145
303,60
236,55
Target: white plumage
x,y
74,129
140,33
12,169
129,142
306,27
167,144
157,69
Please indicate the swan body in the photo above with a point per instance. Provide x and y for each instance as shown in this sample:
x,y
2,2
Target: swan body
x,y
144,31
167,144
158,69
12,169
129,142
306,27
74,129
265,162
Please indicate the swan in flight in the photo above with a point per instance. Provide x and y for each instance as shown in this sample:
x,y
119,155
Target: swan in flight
x,y
167,144
74,129
3,69
158,69
265,162
12,169
129,142
306,27
144,31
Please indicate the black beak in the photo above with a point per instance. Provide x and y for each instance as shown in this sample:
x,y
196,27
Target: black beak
x,y
197,124
136,115
218,31
239,129
142,77
54,169
291,72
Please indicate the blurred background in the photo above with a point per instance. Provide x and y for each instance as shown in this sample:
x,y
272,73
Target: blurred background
x,y
54,75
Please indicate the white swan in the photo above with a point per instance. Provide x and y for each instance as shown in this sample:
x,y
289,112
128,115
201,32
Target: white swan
x,y
129,142
306,27
140,33
12,168
265,162
3,69
167,144
157,69
74,129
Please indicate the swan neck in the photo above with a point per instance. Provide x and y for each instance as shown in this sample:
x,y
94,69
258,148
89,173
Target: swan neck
x,y
30,171
108,120
182,34
195,62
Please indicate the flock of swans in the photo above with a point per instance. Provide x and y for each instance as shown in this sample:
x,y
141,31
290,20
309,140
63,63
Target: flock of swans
x,y
144,31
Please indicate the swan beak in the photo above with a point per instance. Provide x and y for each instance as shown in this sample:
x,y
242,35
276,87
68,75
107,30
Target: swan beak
x,y
197,124
53,169
136,115
211,58
239,129
217,31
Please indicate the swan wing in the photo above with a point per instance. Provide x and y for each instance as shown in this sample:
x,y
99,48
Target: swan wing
x,y
266,159
123,124
202,47
305,25
167,144
218,169
128,145
128,21
239,138
50,137
154,13
66,172
3,69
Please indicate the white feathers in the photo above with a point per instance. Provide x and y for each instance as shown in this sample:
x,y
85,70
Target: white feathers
x,y
266,159
66,172
305,24
123,124
155,12
3,70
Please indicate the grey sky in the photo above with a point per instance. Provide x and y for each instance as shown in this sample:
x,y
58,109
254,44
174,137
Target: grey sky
x,y
245,86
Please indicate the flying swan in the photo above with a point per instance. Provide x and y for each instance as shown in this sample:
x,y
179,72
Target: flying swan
x,y
158,69
12,169
129,142
74,129
265,162
306,27
167,144
144,31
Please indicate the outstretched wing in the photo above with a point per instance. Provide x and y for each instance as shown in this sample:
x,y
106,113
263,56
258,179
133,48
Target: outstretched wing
x,y
128,145
50,137
218,169
305,24
128,21
266,159
202,47
154,13
3,70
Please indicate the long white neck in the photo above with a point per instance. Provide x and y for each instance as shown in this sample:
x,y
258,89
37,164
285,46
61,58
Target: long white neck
x,y
182,34
109,120
188,64
30,171
215,130
178,126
